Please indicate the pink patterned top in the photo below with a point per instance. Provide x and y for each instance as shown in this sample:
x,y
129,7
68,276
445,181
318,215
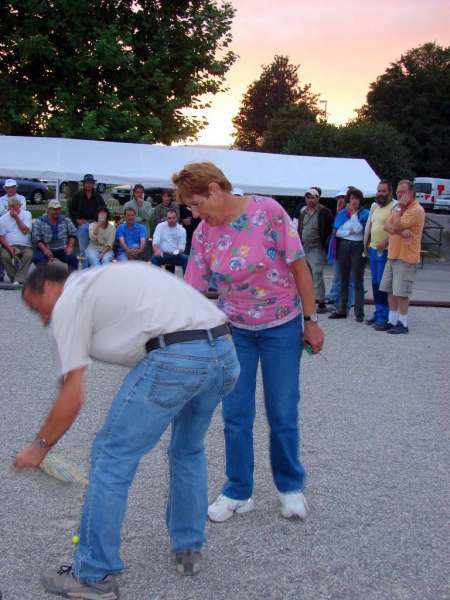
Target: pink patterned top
x,y
248,262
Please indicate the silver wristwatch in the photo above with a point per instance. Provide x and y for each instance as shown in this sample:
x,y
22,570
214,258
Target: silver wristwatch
x,y
314,317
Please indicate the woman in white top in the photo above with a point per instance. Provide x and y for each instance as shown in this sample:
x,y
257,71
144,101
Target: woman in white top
x,y
349,230
101,239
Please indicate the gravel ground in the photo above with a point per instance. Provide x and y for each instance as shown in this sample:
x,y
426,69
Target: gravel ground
x,y
375,421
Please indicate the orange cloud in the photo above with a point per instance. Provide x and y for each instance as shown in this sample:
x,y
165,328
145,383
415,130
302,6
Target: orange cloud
x,y
341,45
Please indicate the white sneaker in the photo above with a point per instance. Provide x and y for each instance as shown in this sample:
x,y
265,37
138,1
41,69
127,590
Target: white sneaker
x,y
223,508
293,504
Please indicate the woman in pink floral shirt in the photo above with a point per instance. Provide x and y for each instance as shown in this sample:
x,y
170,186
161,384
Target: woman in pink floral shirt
x,y
248,250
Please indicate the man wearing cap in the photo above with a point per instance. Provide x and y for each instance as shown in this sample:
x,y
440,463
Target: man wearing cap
x,y
83,211
54,236
15,241
314,227
10,187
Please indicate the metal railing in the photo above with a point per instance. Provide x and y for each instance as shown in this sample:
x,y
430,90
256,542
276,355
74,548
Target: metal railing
x,y
432,235
431,239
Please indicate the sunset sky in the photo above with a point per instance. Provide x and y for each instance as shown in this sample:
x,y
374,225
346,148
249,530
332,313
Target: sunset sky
x,y
341,45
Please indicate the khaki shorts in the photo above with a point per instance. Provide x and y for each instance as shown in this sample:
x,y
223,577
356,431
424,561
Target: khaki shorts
x,y
398,278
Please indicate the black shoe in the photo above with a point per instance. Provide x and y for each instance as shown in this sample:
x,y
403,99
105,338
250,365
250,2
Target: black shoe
x,y
337,315
321,308
399,328
187,562
359,319
370,321
382,326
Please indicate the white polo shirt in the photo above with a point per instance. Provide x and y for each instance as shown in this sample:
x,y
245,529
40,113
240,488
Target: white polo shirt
x,y
169,238
11,231
109,313
4,203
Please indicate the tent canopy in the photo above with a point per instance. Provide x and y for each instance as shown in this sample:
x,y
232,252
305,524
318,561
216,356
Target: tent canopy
x,y
66,159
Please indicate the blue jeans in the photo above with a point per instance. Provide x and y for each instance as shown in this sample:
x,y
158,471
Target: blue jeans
x,y
378,259
180,386
94,260
279,349
83,241
180,260
70,260
122,256
335,290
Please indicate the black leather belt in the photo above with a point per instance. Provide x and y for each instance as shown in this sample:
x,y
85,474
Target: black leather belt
x,y
186,336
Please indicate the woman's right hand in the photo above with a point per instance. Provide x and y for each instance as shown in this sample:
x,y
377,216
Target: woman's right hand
x,y
314,336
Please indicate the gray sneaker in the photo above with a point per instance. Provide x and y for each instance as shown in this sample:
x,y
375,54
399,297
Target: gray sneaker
x,y
187,562
63,582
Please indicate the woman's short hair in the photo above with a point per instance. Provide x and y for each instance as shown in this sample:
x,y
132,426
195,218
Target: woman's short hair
x,y
355,192
103,209
138,186
195,179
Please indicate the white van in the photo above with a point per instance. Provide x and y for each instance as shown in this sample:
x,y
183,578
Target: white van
x,y
433,193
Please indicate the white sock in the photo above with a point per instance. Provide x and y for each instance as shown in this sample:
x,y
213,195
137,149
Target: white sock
x,y
403,319
393,317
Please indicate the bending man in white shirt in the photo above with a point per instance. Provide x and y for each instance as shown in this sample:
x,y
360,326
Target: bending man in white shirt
x,y
182,363
169,242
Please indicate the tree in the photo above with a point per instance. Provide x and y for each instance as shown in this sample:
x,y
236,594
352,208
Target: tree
x,y
277,89
286,120
111,69
413,95
380,144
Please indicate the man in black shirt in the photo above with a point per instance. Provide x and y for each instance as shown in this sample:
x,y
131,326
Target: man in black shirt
x,y
190,224
83,211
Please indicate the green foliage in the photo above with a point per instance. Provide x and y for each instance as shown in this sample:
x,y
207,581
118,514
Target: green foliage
x,y
276,94
111,69
284,121
413,95
380,144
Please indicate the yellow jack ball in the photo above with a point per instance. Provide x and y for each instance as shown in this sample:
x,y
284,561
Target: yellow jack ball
x,y
75,539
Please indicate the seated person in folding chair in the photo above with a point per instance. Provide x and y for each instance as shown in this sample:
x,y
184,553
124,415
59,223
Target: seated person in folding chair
x,y
169,242
54,236
15,242
131,237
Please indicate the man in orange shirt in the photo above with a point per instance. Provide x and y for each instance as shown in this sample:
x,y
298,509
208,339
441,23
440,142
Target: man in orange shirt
x,y
405,227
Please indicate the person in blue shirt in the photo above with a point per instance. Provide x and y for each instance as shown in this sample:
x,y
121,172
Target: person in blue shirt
x,y
347,246
131,237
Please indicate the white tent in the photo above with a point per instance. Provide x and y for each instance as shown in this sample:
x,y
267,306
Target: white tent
x,y
115,162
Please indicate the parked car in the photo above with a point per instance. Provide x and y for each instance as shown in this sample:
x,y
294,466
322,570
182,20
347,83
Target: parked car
x,y
122,193
34,190
433,193
101,187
